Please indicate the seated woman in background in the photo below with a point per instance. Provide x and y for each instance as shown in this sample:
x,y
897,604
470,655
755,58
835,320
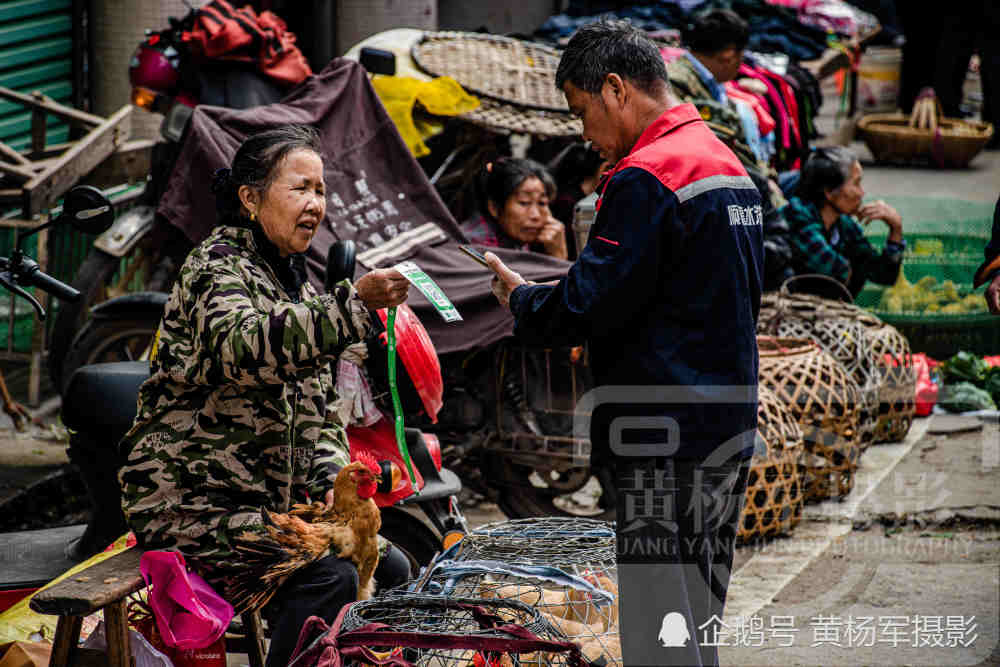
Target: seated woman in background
x,y
578,173
826,227
513,195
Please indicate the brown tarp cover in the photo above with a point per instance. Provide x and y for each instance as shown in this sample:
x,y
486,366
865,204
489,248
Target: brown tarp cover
x,y
378,196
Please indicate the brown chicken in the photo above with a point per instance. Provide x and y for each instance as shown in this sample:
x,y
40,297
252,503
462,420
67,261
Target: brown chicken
x,y
349,529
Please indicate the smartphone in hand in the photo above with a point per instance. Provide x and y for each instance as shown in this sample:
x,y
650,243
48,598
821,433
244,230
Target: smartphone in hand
x,y
474,254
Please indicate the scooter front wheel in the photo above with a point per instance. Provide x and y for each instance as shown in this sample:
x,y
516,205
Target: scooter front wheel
x,y
523,494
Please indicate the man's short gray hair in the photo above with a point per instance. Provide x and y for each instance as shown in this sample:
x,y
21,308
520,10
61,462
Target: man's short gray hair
x,y
607,47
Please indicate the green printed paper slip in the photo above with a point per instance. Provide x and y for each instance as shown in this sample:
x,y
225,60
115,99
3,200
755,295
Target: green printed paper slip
x,y
429,289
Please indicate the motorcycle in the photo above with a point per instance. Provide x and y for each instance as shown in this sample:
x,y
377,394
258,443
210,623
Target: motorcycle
x,y
507,420
138,248
420,515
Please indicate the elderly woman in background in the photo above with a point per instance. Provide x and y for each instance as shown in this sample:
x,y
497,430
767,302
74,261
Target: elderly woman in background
x,y
238,413
513,195
826,222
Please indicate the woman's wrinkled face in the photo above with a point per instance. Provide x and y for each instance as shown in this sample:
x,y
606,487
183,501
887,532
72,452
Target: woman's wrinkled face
x,y
525,212
294,205
847,198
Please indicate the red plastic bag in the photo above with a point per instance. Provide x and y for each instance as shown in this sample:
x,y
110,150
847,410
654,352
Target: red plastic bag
x,y
189,613
210,656
927,389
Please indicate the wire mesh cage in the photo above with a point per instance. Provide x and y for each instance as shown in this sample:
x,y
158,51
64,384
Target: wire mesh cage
x,y
774,495
564,567
435,631
569,543
823,398
582,607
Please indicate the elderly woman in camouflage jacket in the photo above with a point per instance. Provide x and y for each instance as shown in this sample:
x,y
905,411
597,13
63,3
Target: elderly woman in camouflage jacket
x,y
238,414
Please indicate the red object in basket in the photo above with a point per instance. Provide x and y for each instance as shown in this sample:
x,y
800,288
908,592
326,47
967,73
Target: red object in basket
x,y
419,356
927,389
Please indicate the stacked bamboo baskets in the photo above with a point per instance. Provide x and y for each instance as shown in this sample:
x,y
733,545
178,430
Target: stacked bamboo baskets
x,y
774,495
876,355
824,399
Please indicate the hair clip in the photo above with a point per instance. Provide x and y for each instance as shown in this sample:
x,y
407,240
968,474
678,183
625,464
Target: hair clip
x,y
221,180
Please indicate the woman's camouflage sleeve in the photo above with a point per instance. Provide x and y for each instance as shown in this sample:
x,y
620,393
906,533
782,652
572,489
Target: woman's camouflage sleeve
x,y
249,346
331,454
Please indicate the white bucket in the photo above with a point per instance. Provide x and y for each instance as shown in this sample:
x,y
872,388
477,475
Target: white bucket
x,y
878,79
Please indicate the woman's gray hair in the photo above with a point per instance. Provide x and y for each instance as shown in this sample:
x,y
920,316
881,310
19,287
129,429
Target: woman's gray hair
x,y
826,169
256,163
607,47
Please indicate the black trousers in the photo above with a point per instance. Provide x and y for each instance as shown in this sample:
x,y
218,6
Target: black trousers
x,y
677,525
321,589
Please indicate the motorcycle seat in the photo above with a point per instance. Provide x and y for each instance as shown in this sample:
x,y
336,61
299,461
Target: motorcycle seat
x,y
101,398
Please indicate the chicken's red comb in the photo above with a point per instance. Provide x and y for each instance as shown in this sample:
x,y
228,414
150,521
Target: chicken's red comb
x,y
370,462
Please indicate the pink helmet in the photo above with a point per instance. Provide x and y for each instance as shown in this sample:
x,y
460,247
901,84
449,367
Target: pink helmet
x,y
154,65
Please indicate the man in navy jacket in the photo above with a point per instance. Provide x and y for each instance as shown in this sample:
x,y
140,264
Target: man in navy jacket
x,y
666,293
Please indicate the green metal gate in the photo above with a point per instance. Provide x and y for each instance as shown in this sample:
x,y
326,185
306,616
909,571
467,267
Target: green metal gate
x,y
36,53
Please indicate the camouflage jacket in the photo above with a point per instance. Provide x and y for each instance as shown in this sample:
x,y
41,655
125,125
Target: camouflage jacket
x,y
723,119
238,413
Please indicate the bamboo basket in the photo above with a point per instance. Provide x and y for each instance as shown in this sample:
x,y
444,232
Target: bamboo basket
x,y
895,376
840,330
898,386
510,70
774,496
823,398
924,136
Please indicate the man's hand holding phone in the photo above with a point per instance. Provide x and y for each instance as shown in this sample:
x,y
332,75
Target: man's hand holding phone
x,y
475,255
505,281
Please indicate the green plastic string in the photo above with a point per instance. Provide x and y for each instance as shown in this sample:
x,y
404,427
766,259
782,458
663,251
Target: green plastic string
x,y
397,405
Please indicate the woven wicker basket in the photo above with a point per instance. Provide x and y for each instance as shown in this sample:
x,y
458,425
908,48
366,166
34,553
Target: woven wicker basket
x,y
506,69
924,135
503,118
895,376
821,395
898,385
840,330
774,495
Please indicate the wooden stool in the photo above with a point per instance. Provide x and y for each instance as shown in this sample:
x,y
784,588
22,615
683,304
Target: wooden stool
x,y
106,585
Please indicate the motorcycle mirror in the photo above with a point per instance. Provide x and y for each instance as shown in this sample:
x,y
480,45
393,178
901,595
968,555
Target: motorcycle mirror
x,y
378,61
88,210
340,263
